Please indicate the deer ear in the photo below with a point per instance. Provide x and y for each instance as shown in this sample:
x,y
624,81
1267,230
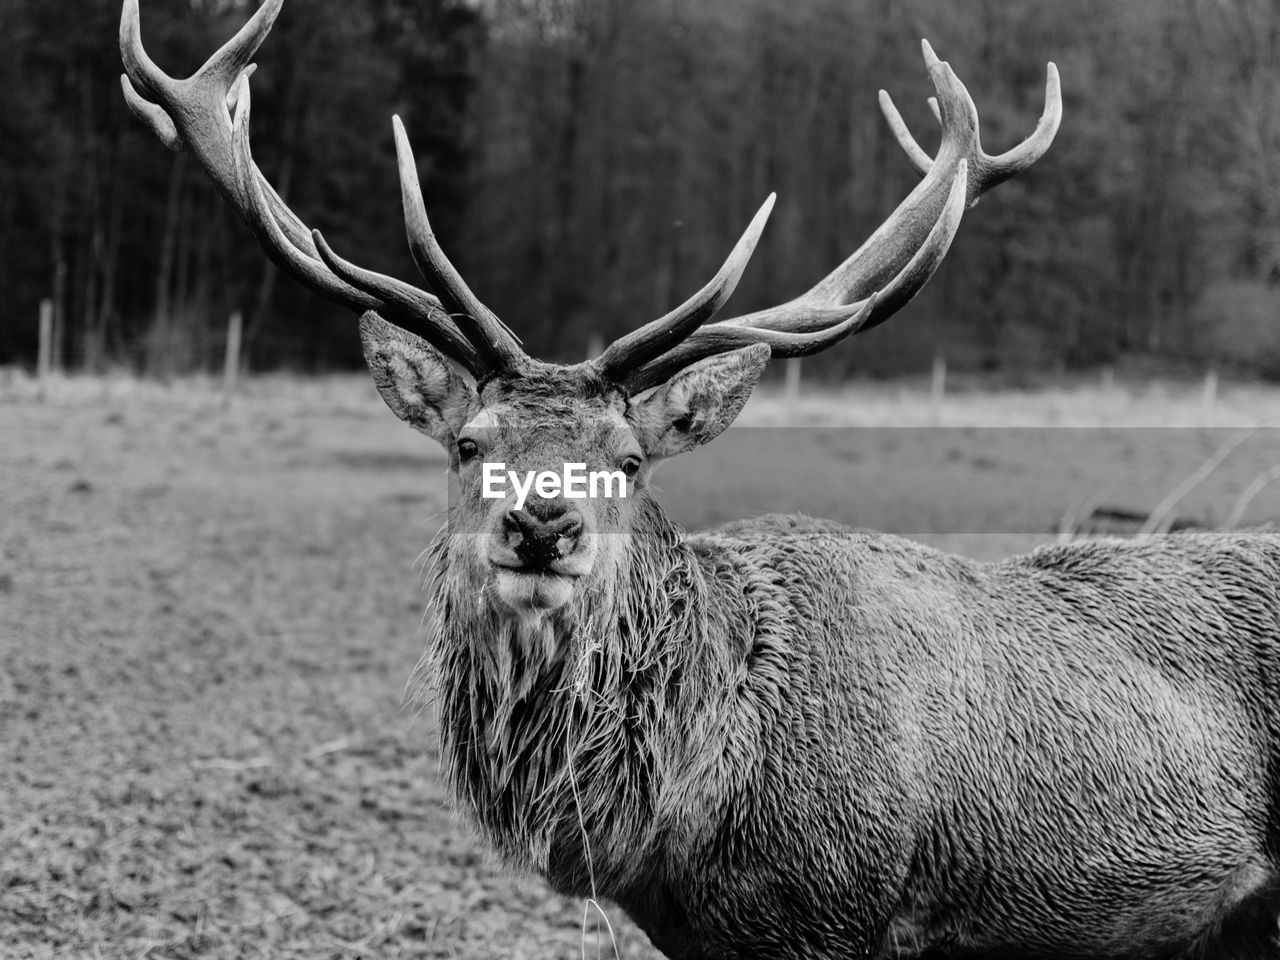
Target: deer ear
x,y
698,404
415,380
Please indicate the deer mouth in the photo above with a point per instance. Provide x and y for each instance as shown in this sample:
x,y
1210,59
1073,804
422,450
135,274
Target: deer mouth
x,y
525,588
558,569
549,564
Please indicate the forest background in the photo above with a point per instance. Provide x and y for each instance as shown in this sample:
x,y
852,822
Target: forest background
x,y
588,163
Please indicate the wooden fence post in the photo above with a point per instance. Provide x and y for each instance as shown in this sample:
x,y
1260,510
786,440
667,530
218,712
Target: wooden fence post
x,y
231,365
938,386
44,358
1209,397
793,380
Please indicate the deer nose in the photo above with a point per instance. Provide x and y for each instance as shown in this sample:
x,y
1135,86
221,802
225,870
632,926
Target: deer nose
x,y
540,540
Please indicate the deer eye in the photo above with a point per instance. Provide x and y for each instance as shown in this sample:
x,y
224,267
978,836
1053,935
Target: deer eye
x,y
631,466
467,449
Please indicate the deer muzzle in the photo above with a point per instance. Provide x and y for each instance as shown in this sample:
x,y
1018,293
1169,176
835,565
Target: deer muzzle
x,y
539,541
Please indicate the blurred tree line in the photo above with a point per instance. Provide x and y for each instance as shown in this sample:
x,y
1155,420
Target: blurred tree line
x,y
588,163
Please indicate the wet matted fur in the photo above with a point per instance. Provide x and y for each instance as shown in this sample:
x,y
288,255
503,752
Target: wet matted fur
x,y
1069,754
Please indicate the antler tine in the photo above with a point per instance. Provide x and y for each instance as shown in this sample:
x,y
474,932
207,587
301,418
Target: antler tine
x,y
919,159
836,323
236,55
988,170
655,338
152,115
1014,161
722,337
140,68
486,331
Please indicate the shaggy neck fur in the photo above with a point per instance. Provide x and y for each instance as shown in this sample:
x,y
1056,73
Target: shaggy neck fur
x,y
562,734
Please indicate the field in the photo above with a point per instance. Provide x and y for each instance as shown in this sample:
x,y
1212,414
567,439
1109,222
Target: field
x,y
207,618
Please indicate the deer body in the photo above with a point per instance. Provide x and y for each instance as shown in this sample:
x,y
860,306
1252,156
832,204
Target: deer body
x,y
1071,754
785,738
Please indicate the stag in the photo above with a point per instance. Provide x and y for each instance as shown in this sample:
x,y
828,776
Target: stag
x,y
783,737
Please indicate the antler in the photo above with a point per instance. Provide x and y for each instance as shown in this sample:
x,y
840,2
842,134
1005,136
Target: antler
x,y
207,114
894,264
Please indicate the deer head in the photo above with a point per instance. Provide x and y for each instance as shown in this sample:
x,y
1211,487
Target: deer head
x,y
464,379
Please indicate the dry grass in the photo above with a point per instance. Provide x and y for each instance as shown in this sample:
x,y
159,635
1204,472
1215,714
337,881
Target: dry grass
x,y
1068,402
1077,403
207,618
206,622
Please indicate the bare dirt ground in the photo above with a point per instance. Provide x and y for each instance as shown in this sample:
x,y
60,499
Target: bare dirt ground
x,y
207,618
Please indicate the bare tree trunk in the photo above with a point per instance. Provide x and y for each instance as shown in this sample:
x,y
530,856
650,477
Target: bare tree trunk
x,y
90,343
198,307
89,247
181,333
90,267
59,279
59,336
105,309
159,352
